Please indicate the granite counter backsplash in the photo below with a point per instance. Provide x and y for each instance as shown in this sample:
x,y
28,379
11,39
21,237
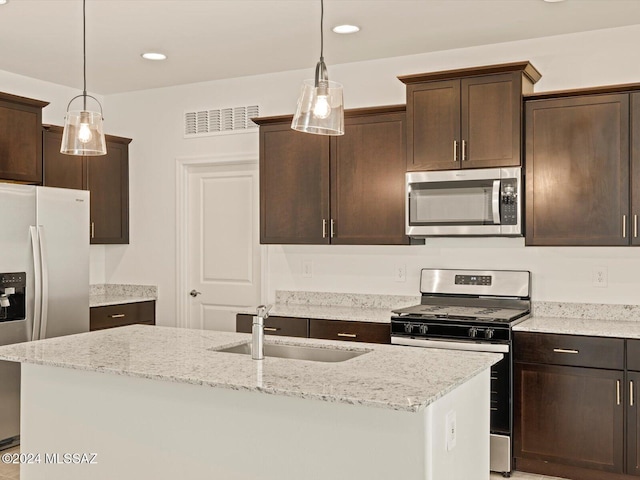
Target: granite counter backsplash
x,y
115,294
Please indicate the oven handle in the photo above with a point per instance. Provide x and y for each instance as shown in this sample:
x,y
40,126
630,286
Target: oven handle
x,y
496,202
469,346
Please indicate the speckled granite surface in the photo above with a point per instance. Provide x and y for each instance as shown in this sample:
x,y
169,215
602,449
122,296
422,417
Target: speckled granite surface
x,y
338,306
592,319
115,294
389,376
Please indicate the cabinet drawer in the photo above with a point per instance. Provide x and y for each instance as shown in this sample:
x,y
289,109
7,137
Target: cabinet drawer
x,y
123,314
350,331
633,355
552,349
287,326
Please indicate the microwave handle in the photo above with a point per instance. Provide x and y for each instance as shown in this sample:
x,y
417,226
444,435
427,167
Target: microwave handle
x,y
496,202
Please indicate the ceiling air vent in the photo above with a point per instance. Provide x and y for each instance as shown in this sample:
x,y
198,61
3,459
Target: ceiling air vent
x,y
222,120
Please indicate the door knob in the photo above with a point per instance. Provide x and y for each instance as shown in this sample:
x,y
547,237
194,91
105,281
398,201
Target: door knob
x,y
194,293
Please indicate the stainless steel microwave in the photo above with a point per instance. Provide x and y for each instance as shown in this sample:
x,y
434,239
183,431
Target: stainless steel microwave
x,y
482,202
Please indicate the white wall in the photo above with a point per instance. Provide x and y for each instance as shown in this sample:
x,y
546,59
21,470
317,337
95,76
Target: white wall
x,y
58,97
153,118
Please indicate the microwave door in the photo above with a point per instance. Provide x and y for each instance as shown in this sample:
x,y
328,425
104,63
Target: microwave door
x,y
469,207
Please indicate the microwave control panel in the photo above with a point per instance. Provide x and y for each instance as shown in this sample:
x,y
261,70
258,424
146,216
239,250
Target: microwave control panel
x,y
509,203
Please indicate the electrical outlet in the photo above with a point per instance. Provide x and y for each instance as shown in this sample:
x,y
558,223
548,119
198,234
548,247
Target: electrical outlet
x,y
307,268
451,430
600,277
400,272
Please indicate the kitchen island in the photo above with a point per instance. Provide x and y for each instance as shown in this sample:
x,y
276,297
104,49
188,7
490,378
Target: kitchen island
x,y
165,403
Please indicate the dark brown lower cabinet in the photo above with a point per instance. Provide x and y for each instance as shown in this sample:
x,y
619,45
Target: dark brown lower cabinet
x,y
286,326
575,406
350,331
313,328
122,314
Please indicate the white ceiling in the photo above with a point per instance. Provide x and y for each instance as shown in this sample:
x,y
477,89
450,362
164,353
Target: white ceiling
x,y
214,39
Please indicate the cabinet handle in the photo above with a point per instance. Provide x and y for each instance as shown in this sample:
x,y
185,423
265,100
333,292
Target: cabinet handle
x,y
635,226
464,150
631,393
93,229
271,329
324,228
565,350
455,150
117,315
348,335
617,392
624,226
332,227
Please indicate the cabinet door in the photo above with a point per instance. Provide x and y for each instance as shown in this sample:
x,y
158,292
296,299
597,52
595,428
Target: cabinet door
x,y
633,424
368,181
20,144
635,168
491,121
294,186
433,126
577,171
60,170
569,415
108,182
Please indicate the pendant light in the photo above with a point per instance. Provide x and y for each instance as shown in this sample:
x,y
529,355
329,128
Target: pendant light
x,y
83,131
320,106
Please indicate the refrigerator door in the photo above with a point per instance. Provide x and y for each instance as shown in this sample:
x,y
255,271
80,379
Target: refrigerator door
x,y
63,234
18,206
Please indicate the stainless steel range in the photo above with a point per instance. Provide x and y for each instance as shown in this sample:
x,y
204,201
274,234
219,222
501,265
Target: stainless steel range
x,y
472,310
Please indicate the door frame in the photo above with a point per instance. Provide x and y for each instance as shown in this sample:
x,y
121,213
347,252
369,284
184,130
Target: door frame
x,y
184,166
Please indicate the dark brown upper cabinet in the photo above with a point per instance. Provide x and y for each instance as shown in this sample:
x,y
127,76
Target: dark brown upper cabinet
x,y
635,167
468,118
339,190
105,176
20,145
577,170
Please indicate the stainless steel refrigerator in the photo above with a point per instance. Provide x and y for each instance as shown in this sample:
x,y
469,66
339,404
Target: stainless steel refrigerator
x,y
44,278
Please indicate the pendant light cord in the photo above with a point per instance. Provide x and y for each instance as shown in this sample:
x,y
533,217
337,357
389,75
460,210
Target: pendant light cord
x,y
84,52
321,32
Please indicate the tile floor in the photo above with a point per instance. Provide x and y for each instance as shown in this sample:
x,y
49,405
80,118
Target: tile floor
x,y
12,472
9,471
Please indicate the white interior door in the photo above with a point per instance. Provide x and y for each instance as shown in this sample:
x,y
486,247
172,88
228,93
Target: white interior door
x,y
223,244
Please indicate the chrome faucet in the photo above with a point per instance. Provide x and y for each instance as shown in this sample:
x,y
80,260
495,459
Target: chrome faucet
x,y
257,332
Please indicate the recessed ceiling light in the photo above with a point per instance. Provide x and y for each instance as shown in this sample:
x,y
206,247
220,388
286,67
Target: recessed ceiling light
x,y
2,2
344,29
152,55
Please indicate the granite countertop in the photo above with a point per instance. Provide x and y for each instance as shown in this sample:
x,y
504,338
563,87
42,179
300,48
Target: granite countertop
x,y
388,376
581,326
116,294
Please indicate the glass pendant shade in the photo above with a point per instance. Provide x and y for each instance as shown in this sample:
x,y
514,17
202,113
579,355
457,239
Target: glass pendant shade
x,y
320,109
83,134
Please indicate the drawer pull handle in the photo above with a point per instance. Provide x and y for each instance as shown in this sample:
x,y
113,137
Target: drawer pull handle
x,y
617,392
271,329
631,393
117,315
565,350
348,335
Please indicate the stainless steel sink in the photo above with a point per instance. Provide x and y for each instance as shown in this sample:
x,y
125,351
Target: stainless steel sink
x,y
297,352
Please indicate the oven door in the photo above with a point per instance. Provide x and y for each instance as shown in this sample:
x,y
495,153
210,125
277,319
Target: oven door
x,y
501,414
458,202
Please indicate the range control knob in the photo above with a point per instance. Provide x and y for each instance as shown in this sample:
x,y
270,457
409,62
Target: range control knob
x,y
424,329
408,327
473,332
488,333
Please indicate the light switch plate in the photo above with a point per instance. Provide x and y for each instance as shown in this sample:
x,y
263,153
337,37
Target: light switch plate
x,y
307,268
451,430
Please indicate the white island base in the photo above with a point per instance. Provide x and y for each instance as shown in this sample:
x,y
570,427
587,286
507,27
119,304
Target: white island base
x,y
161,430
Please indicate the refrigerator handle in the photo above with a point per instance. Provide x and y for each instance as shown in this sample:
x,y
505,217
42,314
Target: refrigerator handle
x,y
45,282
35,333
